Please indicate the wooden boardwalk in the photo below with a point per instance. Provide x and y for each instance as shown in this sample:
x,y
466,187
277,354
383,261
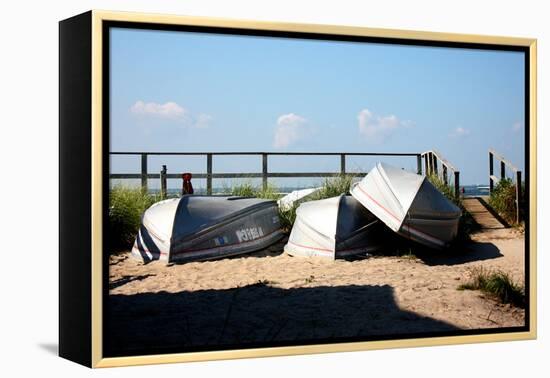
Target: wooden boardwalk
x,y
481,214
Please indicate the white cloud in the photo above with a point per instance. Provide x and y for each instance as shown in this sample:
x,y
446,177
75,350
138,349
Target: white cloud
x,y
459,132
290,128
170,111
518,126
377,128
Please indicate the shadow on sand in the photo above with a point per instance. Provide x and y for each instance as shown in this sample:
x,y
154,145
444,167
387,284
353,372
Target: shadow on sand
x,y
127,279
397,247
256,315
468,252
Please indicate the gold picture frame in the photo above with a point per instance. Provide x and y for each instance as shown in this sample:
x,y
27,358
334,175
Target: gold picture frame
x,y
93,25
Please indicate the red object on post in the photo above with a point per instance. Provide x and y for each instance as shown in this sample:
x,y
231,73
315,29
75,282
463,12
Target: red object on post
x,y
187,187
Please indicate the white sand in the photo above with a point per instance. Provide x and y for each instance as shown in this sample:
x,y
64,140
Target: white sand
x,y
283,298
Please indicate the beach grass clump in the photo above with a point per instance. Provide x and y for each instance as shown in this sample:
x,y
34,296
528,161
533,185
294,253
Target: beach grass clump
x,y
244,189
247,189
446,189
333,186
287,217
503,199
126,205
497,284
269,192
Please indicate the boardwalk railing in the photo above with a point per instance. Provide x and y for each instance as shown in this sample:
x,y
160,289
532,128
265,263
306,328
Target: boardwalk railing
x,y
265,174
432,161
494,179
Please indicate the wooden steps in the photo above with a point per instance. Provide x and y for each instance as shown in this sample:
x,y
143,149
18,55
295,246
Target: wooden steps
x,y
481,214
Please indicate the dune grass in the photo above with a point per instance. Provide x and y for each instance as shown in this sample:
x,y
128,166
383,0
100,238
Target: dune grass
x,y
497,284
445,188
333,186
126,205
287,217
247,189
503,199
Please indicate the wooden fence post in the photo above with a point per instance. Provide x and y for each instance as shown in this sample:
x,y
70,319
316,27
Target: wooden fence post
x,y
163,182
436,171
502,170
426,164
144,172
491,172
264,171
445,174
457,184
209,174
419,164
518,196
430,166
343,164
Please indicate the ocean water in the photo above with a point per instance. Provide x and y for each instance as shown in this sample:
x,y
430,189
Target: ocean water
x,y
469,190
476,190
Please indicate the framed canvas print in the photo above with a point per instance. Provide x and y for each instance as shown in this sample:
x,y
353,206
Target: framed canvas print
x,y
234,189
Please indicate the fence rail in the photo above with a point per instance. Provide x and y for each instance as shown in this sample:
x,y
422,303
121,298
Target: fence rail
x,y
494,179
265,174
432,160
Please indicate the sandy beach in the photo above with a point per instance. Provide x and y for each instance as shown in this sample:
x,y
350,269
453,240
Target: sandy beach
x,y
271,297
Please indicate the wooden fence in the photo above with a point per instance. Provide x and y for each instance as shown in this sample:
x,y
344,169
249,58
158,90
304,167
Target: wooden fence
x,y
494,179
431,159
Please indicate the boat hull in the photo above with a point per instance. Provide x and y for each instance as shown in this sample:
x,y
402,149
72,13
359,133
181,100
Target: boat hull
x,y
409,205
334,228
198,234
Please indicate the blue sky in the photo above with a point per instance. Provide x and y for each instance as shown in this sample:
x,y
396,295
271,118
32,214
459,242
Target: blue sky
x,y
177,91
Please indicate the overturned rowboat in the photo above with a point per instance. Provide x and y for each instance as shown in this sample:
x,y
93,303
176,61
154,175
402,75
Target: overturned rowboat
x,y
296,197
409,204
206,227
336,227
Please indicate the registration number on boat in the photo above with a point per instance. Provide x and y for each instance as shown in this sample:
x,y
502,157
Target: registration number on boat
x,y
247,234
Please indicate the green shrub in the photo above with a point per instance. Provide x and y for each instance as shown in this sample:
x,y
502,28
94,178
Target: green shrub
x,y
245,189
503,199
497,284
287,218
333,186
269,192
446,189
126,205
